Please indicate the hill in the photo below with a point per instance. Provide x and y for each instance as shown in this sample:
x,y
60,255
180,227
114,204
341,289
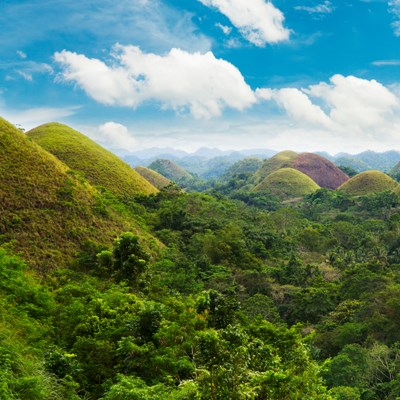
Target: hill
x,y
368,182
170,170
280,160
156,179
46,210
287,183
320,170
246,166
99,166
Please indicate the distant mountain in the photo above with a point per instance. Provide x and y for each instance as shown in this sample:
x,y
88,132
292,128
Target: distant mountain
x,y
157,152
369,160
248,165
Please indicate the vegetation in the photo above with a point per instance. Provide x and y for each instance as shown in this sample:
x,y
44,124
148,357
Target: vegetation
x,y
97,165
156,179
287,183
368,182
229,294
171,171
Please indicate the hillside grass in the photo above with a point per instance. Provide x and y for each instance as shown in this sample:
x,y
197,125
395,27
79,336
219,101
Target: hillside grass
x,y
368,182
170,170
48,212
281,160
287,183
156,179
99,166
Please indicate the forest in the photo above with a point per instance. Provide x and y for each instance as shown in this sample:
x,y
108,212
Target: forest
x,y
216,293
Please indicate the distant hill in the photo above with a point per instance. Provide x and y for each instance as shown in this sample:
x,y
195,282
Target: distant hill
x,y
287,183
99,166
280,160
153,177
46,210
170,170
320,170
368,182
246,166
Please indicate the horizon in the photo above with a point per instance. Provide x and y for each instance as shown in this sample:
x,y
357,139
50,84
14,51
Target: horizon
x,y
307,75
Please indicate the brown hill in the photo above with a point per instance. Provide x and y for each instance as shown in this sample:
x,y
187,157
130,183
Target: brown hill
x,y
320,170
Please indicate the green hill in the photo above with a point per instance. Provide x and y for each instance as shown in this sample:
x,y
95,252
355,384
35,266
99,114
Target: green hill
x,y
280,160
156,179
170,170
99,166
46,211
368,182
246,166
287,183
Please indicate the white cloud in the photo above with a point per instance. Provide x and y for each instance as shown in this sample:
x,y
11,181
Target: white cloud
x,y
178,80
322,8
346,108
259,21
383,63
115,136
21,54
225,29
32,117
298,105
394,8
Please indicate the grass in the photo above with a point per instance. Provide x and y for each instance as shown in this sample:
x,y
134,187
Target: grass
x,y
170,170
156,179
47,212
320,170
99,166
287,183
369,182
281,160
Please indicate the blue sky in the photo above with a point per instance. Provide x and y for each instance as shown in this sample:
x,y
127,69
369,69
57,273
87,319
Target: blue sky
x,y
298,74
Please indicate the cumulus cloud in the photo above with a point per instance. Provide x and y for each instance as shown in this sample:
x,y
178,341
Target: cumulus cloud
x,y
347,106
323,8
115,136
259,21
178,80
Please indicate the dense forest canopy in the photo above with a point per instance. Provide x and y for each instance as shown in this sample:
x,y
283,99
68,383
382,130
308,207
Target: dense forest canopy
x,y
227,293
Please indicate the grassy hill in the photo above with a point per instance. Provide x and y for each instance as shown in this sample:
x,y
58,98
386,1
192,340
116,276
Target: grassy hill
x,y
368,182
99,166
170,170
320,170
281,160
48,212
156,179
287,183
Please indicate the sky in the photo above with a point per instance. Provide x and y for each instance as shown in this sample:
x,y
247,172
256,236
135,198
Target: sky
x,y
305,75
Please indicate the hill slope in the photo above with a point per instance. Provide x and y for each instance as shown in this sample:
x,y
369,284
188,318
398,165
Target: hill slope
x,y
320,170
287,183
156,179
170,170
368,182
100,167
45,210
280,160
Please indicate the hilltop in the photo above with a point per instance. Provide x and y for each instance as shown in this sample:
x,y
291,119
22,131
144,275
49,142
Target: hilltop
x,y
170,170
47,211
99,166
280,160
287,183
368,182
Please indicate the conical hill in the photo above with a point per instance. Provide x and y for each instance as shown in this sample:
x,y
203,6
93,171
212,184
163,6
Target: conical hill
x,y
99,166
46,212
287,183
170,170
156,179
369,182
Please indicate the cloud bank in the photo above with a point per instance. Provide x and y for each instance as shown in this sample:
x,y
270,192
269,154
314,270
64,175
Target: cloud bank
x,y
179,80
258,21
